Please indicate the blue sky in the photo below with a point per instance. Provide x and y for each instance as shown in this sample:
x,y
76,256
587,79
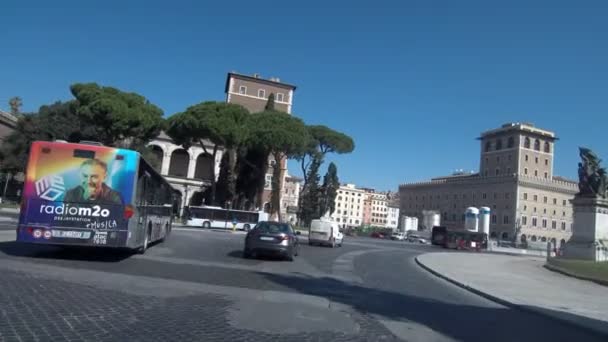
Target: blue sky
x,y
413,82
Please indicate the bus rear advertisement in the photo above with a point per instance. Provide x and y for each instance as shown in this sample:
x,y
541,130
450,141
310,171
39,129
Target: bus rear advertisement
x,y
79,194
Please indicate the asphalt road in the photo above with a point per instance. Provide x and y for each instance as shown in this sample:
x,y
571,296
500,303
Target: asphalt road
x,y
197,286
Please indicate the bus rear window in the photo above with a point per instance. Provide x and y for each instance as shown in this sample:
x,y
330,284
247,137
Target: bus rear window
x,y
84,154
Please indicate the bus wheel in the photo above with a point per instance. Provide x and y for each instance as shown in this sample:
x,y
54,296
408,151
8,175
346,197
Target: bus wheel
x,y
207,224
143,248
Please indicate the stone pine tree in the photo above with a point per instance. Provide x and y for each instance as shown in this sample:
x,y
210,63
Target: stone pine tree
x,y
222,125
331,183
270,102
283,136
15,104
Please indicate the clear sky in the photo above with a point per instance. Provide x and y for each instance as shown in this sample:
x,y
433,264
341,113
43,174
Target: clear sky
x,y
413,82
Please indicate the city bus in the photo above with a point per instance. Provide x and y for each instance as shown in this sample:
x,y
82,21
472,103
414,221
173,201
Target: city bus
x,y
87,194
217,217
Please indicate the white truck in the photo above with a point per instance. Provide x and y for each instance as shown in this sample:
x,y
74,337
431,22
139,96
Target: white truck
x,y
325,232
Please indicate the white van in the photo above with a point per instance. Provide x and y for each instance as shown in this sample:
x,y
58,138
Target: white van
x,y
325,233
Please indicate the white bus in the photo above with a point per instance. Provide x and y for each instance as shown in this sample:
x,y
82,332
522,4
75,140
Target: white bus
x,y
217,217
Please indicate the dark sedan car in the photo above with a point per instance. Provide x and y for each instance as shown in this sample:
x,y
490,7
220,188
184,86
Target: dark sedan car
x,y
274,238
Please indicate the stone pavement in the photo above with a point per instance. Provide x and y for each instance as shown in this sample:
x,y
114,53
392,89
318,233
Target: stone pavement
x,y
47,303
523,282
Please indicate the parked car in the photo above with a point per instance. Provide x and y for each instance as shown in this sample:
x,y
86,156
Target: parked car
x,y
400,236
325,232
377,235
273,238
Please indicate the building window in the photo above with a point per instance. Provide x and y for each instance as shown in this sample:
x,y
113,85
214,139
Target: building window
x,y
563,213
488,146
534,222
545,199
494,218
498,159
506,195
525,196
535,198
242,90
535,173
534,209
484,195
546,175
545,211
527,142
527,157
554,212
544,223
525,207
497,171
537,145
525,170
453,217
564,202
563,225
339,198
546,162
554,201
509,157
498,144
495,195
485,173
547,147
536,160
262,94
510,142
524,220
280,97
553,225
339,212
505,219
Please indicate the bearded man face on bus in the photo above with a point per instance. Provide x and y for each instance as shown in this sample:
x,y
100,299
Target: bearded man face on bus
x,y
92,188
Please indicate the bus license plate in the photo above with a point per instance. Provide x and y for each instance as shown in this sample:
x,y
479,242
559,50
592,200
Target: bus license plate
x,y
267,238
70,234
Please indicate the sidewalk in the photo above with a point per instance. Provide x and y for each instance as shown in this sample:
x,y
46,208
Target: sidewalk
x,y
523,282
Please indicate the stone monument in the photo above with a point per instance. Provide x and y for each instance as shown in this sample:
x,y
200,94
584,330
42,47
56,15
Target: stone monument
x,y
589,239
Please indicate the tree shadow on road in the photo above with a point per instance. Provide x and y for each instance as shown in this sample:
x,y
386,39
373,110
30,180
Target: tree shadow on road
x,y
17,249
461,322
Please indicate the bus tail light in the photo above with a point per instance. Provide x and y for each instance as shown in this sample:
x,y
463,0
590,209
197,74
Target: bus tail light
x,y
30,230
129,211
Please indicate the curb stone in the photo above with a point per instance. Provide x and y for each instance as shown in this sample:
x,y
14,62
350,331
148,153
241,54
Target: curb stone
x,y
602,333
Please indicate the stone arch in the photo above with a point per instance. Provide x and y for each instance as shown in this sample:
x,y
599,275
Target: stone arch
x,y
493,235
527,142
543,239
267,207
197,198
562,243
523,238
547,147
204,167
536,144
534,238
554,242
158,152
504,236
179,162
